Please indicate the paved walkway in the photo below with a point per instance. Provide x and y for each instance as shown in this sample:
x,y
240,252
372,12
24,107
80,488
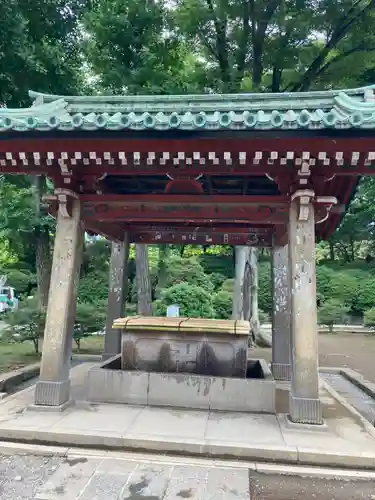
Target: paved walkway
x,y
90,476
355,396
344,442
355,351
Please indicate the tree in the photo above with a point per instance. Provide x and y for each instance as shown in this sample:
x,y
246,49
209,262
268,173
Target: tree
x,y
332,312
143,280
278,45
194,301
90,319
222,302
238,303
187,270
369,318
40,49
164,254
132,49
26,323
356,235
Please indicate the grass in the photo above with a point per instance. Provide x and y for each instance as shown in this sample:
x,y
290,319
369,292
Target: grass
x,y
13,356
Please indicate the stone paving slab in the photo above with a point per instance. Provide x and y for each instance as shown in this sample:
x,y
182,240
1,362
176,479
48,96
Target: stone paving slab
x,y
136,480
85,476
245,436
355,396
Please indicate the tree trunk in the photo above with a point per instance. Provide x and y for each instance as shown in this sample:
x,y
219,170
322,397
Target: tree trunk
x,y
182,250
143,280
352,250
36,345
241,257
43,262
260,336
254,310
331,250
164,252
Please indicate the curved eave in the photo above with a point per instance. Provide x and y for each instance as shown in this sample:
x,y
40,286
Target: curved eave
x,y
349,109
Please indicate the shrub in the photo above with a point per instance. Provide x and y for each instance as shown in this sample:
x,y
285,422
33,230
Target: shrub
x,y
22,281
93,287
222,303
90,318
97,254
369,318
26,323
228,285
217,280
194,301
180,270
363,298
222,264
332,312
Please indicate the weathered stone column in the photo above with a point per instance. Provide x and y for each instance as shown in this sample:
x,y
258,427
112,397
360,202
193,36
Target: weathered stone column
x,y
241,257
281,328
144,306
53,387
118,290
304,403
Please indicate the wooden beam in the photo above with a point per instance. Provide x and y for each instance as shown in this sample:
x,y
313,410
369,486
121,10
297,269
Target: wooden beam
x,y
207,144
195,214
209,228
182,199
202,238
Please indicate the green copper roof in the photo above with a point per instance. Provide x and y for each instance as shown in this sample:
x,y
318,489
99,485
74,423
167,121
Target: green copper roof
x,y
342,109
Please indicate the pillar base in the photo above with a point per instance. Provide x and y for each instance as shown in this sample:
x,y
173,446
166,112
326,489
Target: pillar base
x,y
281,371
305,410
52,393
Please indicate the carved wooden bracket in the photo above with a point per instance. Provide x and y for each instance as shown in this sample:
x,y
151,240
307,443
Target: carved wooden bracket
x,y
65,172
65,199
184,184
305,198
304,173
324,205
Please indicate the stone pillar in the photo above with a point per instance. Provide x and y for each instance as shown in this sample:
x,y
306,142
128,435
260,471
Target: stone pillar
x,y
281,328
241,254
117,293
144,305
304,405
53,387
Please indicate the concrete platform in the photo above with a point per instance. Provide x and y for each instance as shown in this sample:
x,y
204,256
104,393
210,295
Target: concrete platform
x,y
343,442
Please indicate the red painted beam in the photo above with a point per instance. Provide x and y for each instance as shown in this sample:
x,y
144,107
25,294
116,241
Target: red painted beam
x,y
177,199
110,231
258,214
202,238
266,144
210,229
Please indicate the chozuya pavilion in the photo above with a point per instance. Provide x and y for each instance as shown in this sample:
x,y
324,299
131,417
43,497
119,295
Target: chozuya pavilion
x,y
275,170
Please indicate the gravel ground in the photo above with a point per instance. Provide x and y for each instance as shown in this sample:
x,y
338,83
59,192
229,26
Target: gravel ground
x,y
353,351
276,487
21,475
